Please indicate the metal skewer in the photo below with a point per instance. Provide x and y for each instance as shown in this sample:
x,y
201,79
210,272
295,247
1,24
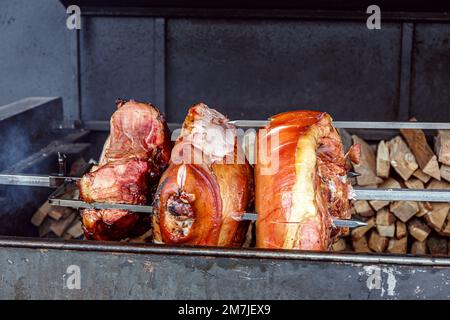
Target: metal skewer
x,y
357,124
35,180
360,193
53,181
343,223
149,209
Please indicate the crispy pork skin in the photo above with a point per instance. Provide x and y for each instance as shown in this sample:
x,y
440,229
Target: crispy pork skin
x,y
208,186
132,161
301,182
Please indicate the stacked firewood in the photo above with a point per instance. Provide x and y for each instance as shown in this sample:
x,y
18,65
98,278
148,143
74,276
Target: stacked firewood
x,y
60,222
64,222
57,222
406,161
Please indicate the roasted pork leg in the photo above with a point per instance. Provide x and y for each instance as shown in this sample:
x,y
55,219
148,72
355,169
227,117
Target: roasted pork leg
x,y
208,186
133,159
301,182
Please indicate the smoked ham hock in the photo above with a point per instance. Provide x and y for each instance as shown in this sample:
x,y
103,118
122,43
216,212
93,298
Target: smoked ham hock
x,y
207,187
301,182
133,158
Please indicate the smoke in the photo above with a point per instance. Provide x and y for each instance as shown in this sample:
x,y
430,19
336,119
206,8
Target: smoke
x,y
16,144
18,203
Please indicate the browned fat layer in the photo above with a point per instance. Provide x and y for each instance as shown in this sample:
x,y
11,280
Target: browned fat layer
x,y
333,185
320,190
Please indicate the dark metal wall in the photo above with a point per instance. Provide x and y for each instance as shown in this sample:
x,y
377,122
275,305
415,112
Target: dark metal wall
x,y
430,90
34,51
254,69
247,68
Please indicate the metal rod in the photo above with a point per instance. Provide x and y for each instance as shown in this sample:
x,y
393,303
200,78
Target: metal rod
x,y
25,180
358,124
342,223
402,194
361,194
97,246
104,125
95,205
34,180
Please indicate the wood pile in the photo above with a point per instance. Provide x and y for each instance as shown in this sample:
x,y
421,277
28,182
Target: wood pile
x,y
405,161
65,223
57,222
60,222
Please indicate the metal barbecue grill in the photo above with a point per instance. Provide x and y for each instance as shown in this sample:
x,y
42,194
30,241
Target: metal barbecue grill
x,y
36,130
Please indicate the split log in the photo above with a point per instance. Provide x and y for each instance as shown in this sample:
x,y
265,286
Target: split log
x,y
424,208
363,208
385,223
414,183
389,183
360,245
386,231
400,229
435,184
75,229
383,164
59,227
436,217
445,172
398,246
44,228
384,217
442,146
67,236
377,243
446,229
426,159
437,246
419,247
339,245
56,213
358,233
404,210
39,216
367,164
402,159
418,229
419,174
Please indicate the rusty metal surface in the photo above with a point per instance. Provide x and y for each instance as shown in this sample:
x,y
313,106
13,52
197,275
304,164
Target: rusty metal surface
x,y
47,272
